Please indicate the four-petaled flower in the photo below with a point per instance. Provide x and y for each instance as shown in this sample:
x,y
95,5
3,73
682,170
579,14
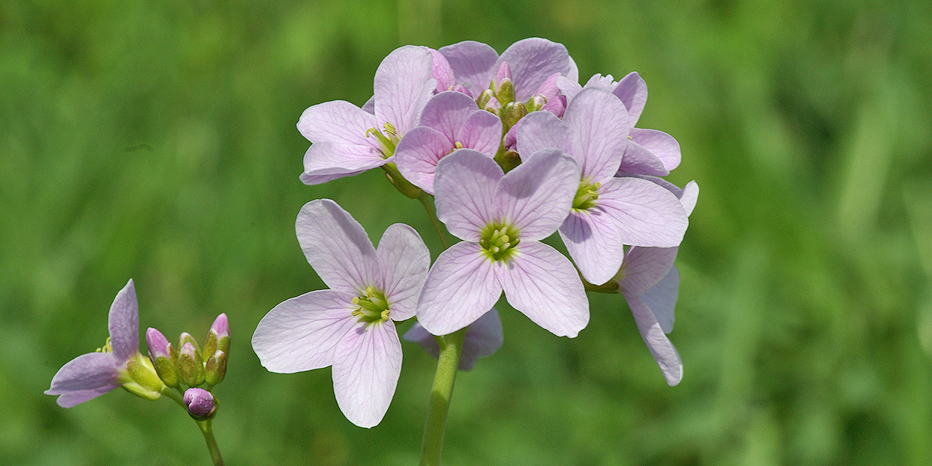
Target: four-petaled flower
x,y
350,326
502,219
118,363
348,140
607,212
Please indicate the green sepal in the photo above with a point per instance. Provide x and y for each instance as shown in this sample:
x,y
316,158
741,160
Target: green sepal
x,y
216,368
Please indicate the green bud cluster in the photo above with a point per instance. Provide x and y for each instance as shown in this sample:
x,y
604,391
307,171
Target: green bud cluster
x,y
192,365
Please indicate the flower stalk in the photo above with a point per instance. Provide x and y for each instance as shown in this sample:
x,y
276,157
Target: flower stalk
x,y
451,347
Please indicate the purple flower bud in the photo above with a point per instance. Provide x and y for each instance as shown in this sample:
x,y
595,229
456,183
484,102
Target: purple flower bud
x,y
201,404
218,338
164,357
503,73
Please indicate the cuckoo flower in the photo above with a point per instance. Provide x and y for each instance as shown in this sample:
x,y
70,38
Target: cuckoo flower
x,y
483,338
649,151
118,363
649,282
347,140
607,212
350,326
502,219
450,121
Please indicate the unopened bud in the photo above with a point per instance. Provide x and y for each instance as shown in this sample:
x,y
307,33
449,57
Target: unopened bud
x,y
200,403
191,365
218,338
163,355
513,112
535,103
484,97
140,378
505,91
216,368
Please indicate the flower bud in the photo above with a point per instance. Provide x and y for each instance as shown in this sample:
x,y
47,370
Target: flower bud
x,y
513,112
164,357
218,338
188,338
140,378
505,91
191,365
216,368
484,97
535,103
200,403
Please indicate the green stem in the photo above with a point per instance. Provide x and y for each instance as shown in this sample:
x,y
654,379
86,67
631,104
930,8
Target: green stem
x,y
211,441
447,364
441,232
203,425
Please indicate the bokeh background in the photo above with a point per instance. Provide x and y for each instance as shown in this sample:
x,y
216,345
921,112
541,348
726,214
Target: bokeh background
x,y
157,141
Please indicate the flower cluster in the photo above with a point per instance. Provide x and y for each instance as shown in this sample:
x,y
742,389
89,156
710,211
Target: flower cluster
x,y
512,149
120,364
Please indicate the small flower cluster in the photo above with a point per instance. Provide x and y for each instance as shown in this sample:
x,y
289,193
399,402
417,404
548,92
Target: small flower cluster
x,y
512,149
192,365
120,364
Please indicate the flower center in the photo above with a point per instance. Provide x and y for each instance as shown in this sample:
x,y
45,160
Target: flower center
x,y
372,307
106,349
499,240
386,141
586,195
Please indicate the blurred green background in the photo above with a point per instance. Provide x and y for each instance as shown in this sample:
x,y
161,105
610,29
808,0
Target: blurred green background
x,y
157,141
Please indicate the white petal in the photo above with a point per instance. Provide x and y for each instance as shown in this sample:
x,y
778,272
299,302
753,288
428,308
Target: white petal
x,y
336,246
646,214
538,194
661,299
644,267
464,186
460,287
598,123
403,259
301,333
403,84
337,121
366,367
539,131
542,284
595,246
657,342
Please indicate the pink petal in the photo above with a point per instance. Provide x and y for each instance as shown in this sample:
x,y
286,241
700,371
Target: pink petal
x,y
481,131
403,85
366,367
338,122
417,155
472,63
447,111
632,90
464,186
336,246
483,338
442,72
331,160
85,377
301,333
542,284
569,87
645,213
661,299
661,144
123,323
595,246
532,61
689,196
640,161
645,267
539,131
657,342
598,125
403,260
538,194
460,287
